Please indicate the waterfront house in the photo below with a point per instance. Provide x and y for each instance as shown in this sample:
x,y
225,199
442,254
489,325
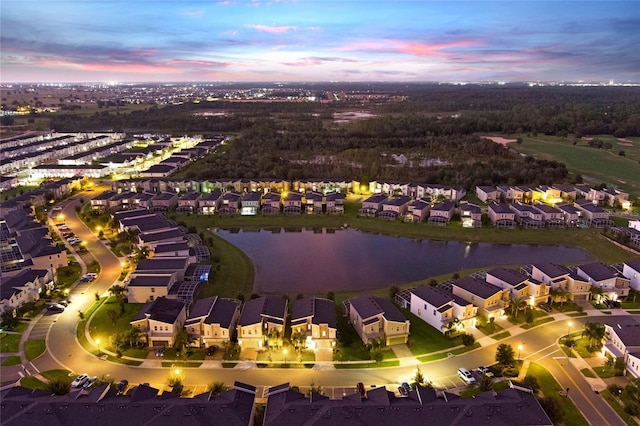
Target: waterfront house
x,y
527,216
261,318
250,203
570,214
441,309
490,299
552,216
188,202
418,210
292,203
230,203
372,205
470,215
614,284
315,318
313,202
394,207
335,203
519,285
271,203
210,203
487,194
596,216
441,213
501,216
164,201
146,286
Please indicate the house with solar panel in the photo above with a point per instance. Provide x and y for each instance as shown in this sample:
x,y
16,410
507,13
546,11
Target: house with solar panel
x,y
374,317
212,321
315,318
258,318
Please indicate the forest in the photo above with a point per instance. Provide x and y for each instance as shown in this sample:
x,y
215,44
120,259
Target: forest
x,y
431,135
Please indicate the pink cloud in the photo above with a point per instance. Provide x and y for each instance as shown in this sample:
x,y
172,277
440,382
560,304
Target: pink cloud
x,y
273,30
411,48
111,67
197,63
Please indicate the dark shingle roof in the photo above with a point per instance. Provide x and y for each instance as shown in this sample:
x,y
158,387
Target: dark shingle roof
x,y
433,295
551,269
598,271
509,276
321,311
162,309
270,306
477,287
368,306
155,264
159,280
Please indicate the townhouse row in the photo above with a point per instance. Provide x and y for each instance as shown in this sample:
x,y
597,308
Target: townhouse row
x,y
553,194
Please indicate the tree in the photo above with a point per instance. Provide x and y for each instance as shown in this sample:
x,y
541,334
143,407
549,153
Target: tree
x,y
558,294
135,336
486,383
418,379
594,332
58,387
298,339
532,382
517,305
505,354
182,339
119,292
596,293
393,290
553,408
468,339
9,320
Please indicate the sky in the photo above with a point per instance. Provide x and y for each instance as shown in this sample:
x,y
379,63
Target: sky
x,y
322,40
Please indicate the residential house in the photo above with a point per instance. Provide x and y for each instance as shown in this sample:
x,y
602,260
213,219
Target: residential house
x,y
567,192
594,215
558,277
470,215
100,203
441,309
313,202
212,321
372,205
292,203
335,202
139,224
599,275
552,216
250,203
230,203
631,270
261,318
142,200
28,285
179,249
374,317
164,201
441,213
570,214
394,207
315,318
622,340
189,202
502,216
271,203
164,265
527,216
490,299
160,320
146,286
210,203
158,171
121,201
487,194
418,210
613,196
153,238
519,285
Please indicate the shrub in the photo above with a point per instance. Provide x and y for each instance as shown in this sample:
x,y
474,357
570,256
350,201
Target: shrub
x,y
632,408
58,387
468,339
553,408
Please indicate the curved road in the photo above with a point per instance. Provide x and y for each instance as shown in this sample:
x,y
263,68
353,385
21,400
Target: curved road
x,y
64,351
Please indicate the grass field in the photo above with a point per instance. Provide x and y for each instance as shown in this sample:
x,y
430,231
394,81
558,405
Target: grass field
x,y
9,342
11,360
34,348
101,326
597,164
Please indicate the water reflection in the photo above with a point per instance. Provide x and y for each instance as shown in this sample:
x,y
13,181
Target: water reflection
x,y
317,261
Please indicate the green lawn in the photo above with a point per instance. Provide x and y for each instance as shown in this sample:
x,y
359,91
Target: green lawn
x,y
549,386
603,165
587,373
425,339
537,323
62,375
10,342
606,372
11,360
581,345
613,402
31,382
489,328
502,335
34,348
101,326
67,275
373,364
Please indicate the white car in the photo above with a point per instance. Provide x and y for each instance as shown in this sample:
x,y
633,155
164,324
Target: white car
x,y
89,276
466,376
80,380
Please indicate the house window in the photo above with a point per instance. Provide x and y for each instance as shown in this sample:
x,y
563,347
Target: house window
x,y
425,306
324,333
153,290
155,328
150,297
434,312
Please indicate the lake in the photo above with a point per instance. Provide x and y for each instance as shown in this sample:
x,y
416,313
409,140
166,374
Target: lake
x,y
318,261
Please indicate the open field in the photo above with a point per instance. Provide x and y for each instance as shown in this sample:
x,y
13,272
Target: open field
x,y
598,165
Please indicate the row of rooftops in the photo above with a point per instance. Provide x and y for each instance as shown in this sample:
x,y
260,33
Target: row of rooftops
x,y
143,405
564,190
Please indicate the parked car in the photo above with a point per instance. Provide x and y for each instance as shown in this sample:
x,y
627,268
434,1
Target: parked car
x,y
122,386
466,376
90,381
211,350
484,371
160,351
89,276
360,389
404,388
55,307
80,380
545,306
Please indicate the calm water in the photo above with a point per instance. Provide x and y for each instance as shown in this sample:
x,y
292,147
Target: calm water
x,y
311,262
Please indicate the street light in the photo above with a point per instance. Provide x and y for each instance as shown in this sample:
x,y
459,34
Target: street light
x,y
284,351
569,329
519,351
98,228
98,343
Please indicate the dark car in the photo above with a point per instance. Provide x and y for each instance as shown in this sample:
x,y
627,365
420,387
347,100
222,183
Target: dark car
x,y
360,389
545,307
121,387
211,350
55,307
160,351
404,388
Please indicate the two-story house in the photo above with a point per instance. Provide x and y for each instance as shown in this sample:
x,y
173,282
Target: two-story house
x,y
230,203
519,285
622,340
631,270
160,320
501,216
394,207
271,202
441,309
614,284
441,213
258,318
250,203
374,317
189,202
487,194
418,210
335,203
212,321
315,318
372,205
470,215
210,203
292,203
26,286
313,202
490,299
